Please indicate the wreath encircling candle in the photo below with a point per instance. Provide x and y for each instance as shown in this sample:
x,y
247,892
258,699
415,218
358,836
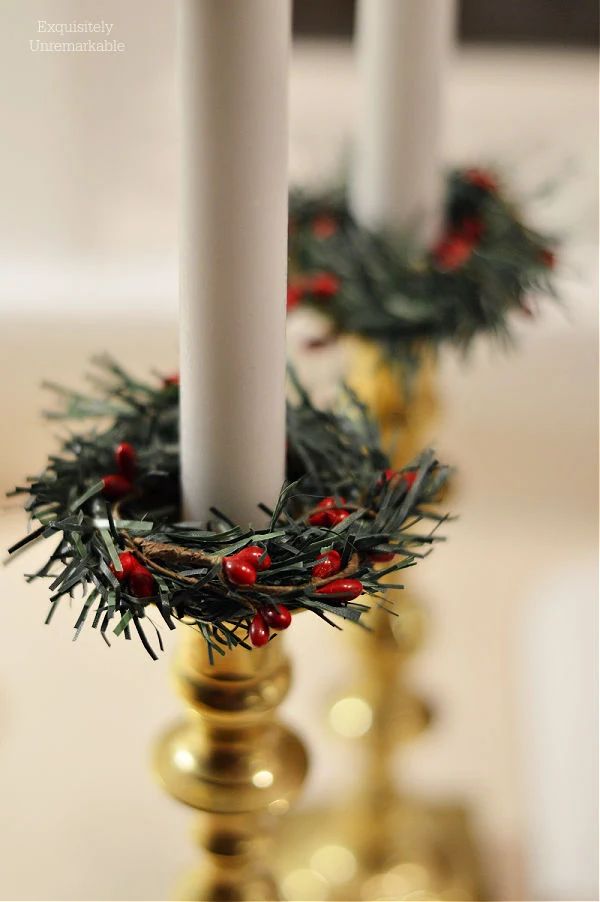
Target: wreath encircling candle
x,y
486,265
343,521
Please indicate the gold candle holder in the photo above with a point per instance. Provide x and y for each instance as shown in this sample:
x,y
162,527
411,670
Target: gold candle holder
x,y
233,761
383,843
391,713
405,407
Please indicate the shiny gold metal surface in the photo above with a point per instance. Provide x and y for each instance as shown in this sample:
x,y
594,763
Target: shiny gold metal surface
x,y
382,843
391,712
404,405
233,761
334,854
405,408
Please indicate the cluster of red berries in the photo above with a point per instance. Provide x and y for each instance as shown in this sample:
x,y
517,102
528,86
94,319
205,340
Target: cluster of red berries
x,y
481,178
324,226
272,616
456,247
453,251
331,510
320,285
548,258
134,575
328,564
243,567
278,617
328,512
118,485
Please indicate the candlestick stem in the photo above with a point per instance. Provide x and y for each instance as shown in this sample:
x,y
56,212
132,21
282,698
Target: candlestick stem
x,y
232,760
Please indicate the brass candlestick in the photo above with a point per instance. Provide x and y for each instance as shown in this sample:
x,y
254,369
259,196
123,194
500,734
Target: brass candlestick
x,y
383,843
232,760
405,411
404,408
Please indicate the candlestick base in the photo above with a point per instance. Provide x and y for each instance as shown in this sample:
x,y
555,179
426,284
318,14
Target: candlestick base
x,y
383,843
332,854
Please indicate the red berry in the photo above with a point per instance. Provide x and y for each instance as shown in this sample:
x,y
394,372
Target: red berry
x,y
254,555
173,379
409,478
330,501
277,616
336,516
126,460
324,226
128,562
295,293
320,518
381,557
116,486
259,631
141,582
471,229
452,252
238,571
347,589
328,516
328,564
480,178
548,258
324,285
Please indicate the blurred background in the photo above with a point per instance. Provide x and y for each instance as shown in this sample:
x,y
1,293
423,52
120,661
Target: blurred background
x,y
534,22
88,177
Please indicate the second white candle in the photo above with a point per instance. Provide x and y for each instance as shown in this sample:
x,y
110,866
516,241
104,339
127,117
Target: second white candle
x,y
402,49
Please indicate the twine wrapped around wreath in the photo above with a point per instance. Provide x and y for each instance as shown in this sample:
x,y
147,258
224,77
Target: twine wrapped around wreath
x,y
156,553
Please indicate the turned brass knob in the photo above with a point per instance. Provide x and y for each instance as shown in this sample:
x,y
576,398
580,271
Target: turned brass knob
x,y
233,761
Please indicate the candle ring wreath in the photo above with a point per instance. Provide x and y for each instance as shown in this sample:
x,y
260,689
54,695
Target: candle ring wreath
x,y
343,522
486,265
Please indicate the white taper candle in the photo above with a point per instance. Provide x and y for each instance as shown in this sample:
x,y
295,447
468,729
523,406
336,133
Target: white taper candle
x,y
233,253
402,49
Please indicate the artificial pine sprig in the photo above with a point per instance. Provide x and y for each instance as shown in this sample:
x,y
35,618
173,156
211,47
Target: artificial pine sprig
x,y
486,265
112,498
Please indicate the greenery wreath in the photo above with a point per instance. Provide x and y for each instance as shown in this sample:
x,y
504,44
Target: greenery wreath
x,y
487,265
343,521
